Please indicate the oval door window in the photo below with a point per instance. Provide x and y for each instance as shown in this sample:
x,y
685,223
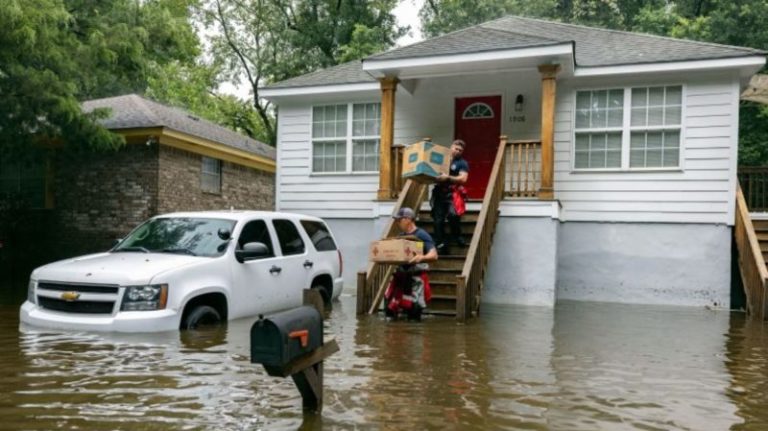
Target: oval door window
x,y
477,110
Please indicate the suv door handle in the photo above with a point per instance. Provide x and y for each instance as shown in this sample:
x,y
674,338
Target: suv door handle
x,y
275,269
308,264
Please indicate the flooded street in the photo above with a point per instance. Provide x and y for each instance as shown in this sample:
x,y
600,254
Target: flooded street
x,y
580,366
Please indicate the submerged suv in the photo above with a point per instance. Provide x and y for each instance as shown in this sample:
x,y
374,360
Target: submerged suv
x,y
183,270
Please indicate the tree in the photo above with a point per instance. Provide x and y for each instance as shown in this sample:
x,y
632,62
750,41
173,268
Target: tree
x,y
56,53
263,41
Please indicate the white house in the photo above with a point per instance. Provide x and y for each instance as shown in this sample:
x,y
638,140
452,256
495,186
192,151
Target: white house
x,y
629,197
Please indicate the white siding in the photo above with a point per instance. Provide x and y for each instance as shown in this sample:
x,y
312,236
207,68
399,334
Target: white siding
x,y
701,191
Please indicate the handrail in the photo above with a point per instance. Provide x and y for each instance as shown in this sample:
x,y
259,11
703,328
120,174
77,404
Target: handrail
x,y
754,273
523,169
470,282
754,185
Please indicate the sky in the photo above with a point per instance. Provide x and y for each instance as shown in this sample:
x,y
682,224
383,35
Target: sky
x,y
407,13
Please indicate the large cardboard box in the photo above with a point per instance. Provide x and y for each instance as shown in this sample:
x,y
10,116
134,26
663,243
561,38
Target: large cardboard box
x,y
394,250
425,160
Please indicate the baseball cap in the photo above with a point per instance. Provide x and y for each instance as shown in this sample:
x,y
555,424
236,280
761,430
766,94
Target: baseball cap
x,y
405,212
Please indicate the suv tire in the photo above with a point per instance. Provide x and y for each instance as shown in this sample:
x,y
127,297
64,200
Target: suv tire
x,y
201,315
325,294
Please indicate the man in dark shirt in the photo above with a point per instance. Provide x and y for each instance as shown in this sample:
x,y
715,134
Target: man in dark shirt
x,y
442,198
409,289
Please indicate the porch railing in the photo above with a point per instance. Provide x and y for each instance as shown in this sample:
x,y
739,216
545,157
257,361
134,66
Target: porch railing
x,y
470,282
523,169
754,184
397,182
754,274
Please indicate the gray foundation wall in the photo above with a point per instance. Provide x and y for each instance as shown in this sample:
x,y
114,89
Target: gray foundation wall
x,y
353,237
523,263
672,264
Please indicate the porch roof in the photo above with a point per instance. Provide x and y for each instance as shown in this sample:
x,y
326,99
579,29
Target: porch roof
x,y
592,47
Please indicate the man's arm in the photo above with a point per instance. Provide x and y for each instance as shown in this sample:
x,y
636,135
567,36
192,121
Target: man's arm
x,y
460,179
429,257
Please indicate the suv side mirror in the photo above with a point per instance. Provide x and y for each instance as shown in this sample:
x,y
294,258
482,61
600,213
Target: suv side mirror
x,y
252,251
115,242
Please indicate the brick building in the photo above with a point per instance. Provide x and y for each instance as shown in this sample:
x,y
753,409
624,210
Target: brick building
x,y
173,161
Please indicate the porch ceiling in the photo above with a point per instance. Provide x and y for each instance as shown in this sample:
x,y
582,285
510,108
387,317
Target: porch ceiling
x,y
522,58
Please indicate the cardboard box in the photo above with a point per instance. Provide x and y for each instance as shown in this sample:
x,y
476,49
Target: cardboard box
x,y
394,250
424,161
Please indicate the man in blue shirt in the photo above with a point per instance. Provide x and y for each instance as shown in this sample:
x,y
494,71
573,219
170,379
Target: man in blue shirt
x,y
409,290
442,198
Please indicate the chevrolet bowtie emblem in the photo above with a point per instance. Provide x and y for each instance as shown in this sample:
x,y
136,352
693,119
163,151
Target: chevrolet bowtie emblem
x,y
70,296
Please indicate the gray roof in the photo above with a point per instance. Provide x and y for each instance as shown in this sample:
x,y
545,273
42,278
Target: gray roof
x,y
133,111
594,47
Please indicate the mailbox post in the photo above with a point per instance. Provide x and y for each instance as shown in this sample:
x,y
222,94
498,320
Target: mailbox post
x,y
291,343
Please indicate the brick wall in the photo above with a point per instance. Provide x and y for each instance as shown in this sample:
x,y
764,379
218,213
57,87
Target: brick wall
x,y
99,197
241,187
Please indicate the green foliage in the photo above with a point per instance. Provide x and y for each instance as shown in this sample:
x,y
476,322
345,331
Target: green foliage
x,y
443,16
262,41
56,53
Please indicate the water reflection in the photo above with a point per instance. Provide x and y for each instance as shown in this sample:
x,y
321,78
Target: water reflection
x,y
579,366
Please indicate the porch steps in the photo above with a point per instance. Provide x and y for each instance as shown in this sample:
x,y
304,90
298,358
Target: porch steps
x,y
761,231
442,274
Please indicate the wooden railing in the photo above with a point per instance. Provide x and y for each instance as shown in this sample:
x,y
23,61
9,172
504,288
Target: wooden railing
x,y
470,282
523,169
754,183
397,181
754,274
372,283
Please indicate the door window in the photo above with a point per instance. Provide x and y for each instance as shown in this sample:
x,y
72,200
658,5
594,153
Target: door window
x,y
288,236
256,231
319,234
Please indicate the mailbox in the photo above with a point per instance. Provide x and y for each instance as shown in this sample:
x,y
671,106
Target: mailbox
x,y
280,338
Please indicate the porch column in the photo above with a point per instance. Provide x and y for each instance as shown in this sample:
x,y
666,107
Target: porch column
x,y
548,91
388,87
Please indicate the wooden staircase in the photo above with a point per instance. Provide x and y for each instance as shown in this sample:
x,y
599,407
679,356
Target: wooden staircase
x,y
752,243
443,273
457,278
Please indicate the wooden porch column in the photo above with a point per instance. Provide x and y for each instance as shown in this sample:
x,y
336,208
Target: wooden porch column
x,y
388,87
548,91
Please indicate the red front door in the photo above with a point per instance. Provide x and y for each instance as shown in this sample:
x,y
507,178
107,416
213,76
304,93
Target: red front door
x,y
478,123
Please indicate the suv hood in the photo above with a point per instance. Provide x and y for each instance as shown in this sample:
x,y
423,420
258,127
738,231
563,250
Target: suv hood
x,y
125,268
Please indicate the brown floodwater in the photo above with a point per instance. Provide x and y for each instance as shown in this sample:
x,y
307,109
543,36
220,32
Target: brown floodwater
x,y
579,366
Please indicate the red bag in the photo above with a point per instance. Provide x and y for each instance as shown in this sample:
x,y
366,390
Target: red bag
x,y
459,197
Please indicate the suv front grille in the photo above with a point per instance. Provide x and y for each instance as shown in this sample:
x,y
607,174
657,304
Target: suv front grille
x,y
83,288
84,307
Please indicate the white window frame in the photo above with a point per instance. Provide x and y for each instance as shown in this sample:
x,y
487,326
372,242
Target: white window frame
x,y
348,139
627,129
203,174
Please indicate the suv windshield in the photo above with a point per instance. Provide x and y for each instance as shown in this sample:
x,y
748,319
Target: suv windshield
x,y
191,236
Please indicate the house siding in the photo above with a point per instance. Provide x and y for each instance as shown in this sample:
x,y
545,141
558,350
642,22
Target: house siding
x,y
702,191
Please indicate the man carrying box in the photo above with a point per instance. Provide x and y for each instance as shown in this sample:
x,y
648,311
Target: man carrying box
x,y
443,198
409,289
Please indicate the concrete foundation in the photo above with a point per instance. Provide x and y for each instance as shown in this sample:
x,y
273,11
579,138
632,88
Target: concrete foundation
x,y
523,263
671,264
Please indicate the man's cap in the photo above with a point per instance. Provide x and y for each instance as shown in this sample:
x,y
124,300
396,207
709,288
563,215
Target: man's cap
x,y
405,212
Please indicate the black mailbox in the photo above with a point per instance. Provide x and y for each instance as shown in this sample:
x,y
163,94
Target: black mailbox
x,y
280,338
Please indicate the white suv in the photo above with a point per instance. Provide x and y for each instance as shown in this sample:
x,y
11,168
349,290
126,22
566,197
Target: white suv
x,y
183,270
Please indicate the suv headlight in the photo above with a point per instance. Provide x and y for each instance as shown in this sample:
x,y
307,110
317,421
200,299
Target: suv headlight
x,y
31,291
144,298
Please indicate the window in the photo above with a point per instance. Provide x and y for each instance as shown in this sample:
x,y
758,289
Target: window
x,y
644,122
345,138
210,178
655,127
23,179
319,234
288,236
256,231
477,110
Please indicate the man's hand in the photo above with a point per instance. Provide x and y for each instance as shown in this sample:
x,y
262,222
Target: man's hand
x,y
443,178
416,259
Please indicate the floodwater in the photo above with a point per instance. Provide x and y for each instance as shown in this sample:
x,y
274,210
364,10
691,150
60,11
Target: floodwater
x,y
580,366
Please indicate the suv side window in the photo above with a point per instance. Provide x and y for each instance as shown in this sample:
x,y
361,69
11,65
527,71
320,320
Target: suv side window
x,y
288,235
256,231
319,234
